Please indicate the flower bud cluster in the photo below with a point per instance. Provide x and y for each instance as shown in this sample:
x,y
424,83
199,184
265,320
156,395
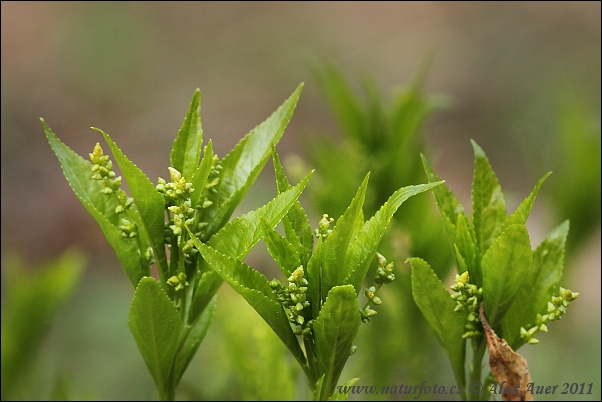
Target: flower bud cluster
x,y
103,170
294,298
384,271
177,191
179,282
468,300
555,310
323,227
384,275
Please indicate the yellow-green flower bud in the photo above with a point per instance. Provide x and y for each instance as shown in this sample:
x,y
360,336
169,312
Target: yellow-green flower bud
x,y
174,174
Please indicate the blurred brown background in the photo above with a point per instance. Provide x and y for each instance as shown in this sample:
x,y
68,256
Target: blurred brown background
x,y
130,68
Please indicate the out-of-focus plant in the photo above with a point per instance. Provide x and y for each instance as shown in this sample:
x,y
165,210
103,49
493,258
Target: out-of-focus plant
x,y
31,297
384,137
319,302
575,193
505,292
170,317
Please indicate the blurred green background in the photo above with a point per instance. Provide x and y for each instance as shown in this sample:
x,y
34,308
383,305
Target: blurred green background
x,y
523,80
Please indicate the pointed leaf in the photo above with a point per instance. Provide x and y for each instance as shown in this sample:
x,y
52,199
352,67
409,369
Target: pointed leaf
x,y
78,173
447,203
156,326
199,178
243,164
237,237
334,331
254,288
296,223
504,267
437,306
186,149
539,285
337,243
280,249
364,245
149,202
521,213
488,207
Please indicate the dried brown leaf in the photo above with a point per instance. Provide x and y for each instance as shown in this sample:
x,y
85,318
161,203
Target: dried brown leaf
x,y
510,369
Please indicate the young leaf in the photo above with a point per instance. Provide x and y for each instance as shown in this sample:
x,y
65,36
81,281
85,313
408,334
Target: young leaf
x,y
237,238
363,246
336,246
280,249
437,306
521,213
539,285
78,173
334,331
447,203
254,288
489,210
505,267
244,163
314,278
199,178
156,326
186,149
149,202
296,223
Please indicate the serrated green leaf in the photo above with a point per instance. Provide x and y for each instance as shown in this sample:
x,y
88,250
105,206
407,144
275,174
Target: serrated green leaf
x,y
504,267
78,173
149,201
199,178
191,339
156,326
437,306
296,223
521,213
280,249
363,247
539,285
334,331
255,289
237,237
447,203
337,244
243,164
488,207
186,149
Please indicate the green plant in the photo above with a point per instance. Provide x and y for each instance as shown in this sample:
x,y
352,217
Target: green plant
x,y
30,299
169,317
504,289
384,136
320,301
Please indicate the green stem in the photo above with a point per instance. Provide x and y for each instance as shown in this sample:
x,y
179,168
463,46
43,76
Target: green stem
x,y
479,347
